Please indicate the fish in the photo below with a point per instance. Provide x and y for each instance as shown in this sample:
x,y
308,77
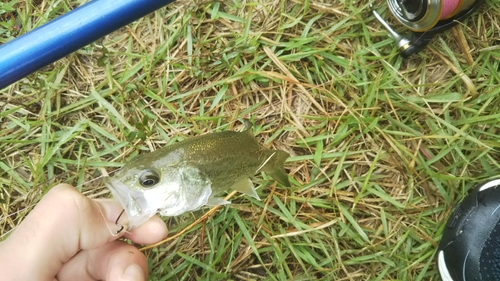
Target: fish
x,y
189,174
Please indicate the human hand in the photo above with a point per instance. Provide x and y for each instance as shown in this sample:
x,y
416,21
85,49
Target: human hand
x,y
68,236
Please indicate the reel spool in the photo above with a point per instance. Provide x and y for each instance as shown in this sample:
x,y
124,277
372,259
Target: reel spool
x,y
425,19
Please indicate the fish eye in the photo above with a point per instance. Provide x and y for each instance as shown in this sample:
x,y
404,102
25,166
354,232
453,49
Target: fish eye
x,y
149,178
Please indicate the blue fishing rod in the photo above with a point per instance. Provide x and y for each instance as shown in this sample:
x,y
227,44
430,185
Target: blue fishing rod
x,y
68,33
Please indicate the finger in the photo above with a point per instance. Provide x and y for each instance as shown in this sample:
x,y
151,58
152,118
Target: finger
x,y
150,232
115,261
61,224
52,233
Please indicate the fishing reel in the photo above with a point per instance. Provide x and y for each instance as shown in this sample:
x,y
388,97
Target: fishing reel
x,y
425,19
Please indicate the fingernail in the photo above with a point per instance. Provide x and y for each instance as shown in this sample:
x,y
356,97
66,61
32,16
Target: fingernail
x,y
133,273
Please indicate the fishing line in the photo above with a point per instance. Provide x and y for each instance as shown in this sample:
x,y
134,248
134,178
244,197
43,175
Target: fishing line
x,y
425,19
448,7
106,221
427,15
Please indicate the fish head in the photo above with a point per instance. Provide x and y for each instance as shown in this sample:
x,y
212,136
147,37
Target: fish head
x,y
146,190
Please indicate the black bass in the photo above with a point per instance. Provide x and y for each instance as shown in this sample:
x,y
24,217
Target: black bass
x,y
187,175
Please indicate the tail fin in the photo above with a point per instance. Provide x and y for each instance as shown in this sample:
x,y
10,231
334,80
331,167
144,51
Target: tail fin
x,y
274,167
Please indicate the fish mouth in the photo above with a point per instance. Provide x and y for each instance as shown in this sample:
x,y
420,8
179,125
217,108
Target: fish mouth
x,y
136,213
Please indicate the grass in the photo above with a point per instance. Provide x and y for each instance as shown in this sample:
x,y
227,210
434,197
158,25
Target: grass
x,y
382,148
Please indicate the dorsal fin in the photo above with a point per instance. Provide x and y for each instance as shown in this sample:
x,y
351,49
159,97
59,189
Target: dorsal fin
x,y
248,126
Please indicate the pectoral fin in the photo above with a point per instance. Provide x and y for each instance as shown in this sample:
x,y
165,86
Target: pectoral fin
x,y
245,186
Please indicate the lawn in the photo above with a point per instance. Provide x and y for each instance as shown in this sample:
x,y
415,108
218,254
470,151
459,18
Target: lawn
x,y
381,148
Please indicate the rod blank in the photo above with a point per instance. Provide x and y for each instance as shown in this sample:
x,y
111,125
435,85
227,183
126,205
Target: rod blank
x,y
68,33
